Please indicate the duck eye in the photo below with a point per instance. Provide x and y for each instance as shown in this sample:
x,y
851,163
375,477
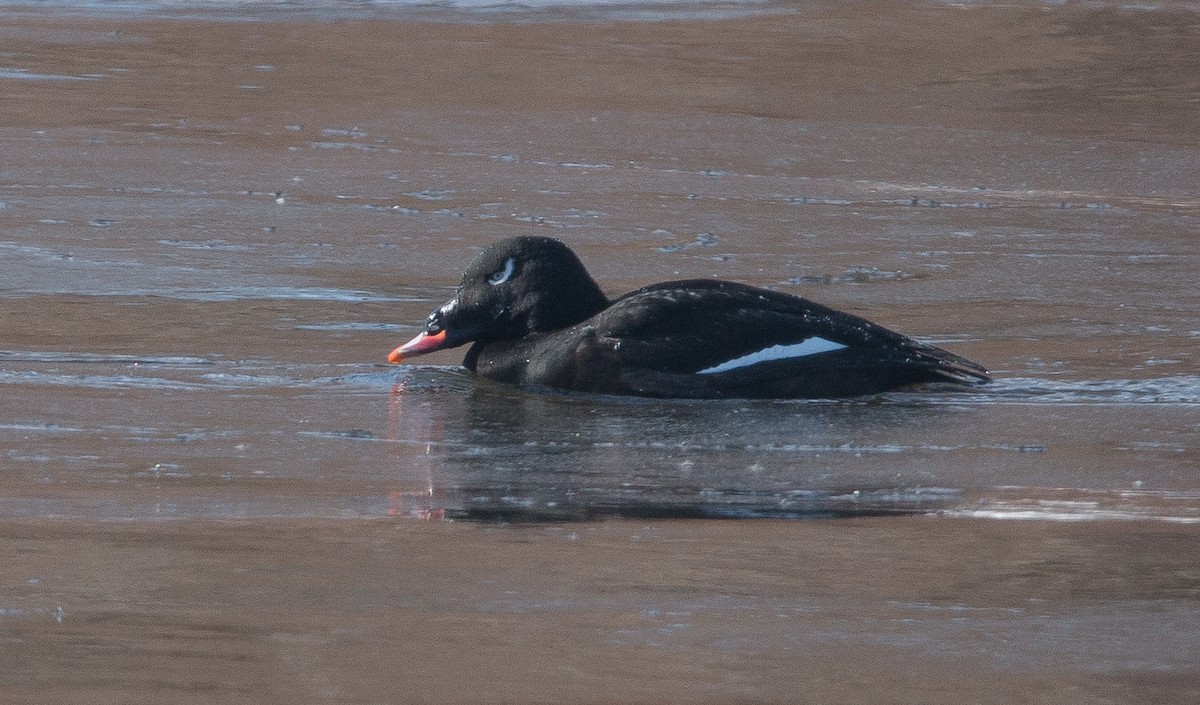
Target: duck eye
x,y
500,276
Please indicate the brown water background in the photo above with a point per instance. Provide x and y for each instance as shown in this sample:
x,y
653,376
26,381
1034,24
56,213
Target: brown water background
x,y
215,222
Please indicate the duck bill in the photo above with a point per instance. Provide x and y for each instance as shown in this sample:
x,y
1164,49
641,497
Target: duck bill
x,y
423,343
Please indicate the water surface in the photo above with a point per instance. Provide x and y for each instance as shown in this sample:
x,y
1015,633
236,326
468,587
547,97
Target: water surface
x,y
213,231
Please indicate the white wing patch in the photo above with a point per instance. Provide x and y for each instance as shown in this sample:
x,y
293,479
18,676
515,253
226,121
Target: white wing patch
x,y
811,346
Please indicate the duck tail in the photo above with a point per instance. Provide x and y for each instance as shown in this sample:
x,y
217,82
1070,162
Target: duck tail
x,y
951,367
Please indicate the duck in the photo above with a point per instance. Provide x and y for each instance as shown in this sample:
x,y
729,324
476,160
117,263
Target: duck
x,y
535,317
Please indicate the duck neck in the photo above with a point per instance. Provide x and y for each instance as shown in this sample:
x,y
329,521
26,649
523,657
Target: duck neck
x,y
568,305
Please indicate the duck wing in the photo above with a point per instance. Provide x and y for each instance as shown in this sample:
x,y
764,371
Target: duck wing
x,y
708,338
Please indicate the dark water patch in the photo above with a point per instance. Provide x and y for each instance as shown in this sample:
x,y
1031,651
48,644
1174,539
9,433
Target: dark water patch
x,y
588,504
489,451
436,442
682,501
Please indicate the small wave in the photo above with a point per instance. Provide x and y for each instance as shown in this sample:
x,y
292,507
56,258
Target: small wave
x,y
97,381
1044,514
1179,390
98,358
405,378
289,293
355,325
213,244
247,380
1080,504
49,428
242,374
26,75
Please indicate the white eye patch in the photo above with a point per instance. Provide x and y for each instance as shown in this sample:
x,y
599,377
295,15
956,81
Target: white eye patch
x,y
811,346
502,275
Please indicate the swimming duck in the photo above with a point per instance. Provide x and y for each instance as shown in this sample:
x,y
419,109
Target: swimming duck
x,y
535,317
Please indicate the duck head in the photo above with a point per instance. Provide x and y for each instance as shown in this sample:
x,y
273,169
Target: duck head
x,y
514,287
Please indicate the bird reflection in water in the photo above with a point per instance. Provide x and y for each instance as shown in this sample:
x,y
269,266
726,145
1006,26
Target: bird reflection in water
x,y
412,423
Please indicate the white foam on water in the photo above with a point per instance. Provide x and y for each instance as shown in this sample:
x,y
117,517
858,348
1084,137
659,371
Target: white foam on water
x,y
1029,514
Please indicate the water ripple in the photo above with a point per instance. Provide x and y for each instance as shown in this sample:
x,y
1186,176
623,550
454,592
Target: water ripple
x,y
1179,390
53,357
